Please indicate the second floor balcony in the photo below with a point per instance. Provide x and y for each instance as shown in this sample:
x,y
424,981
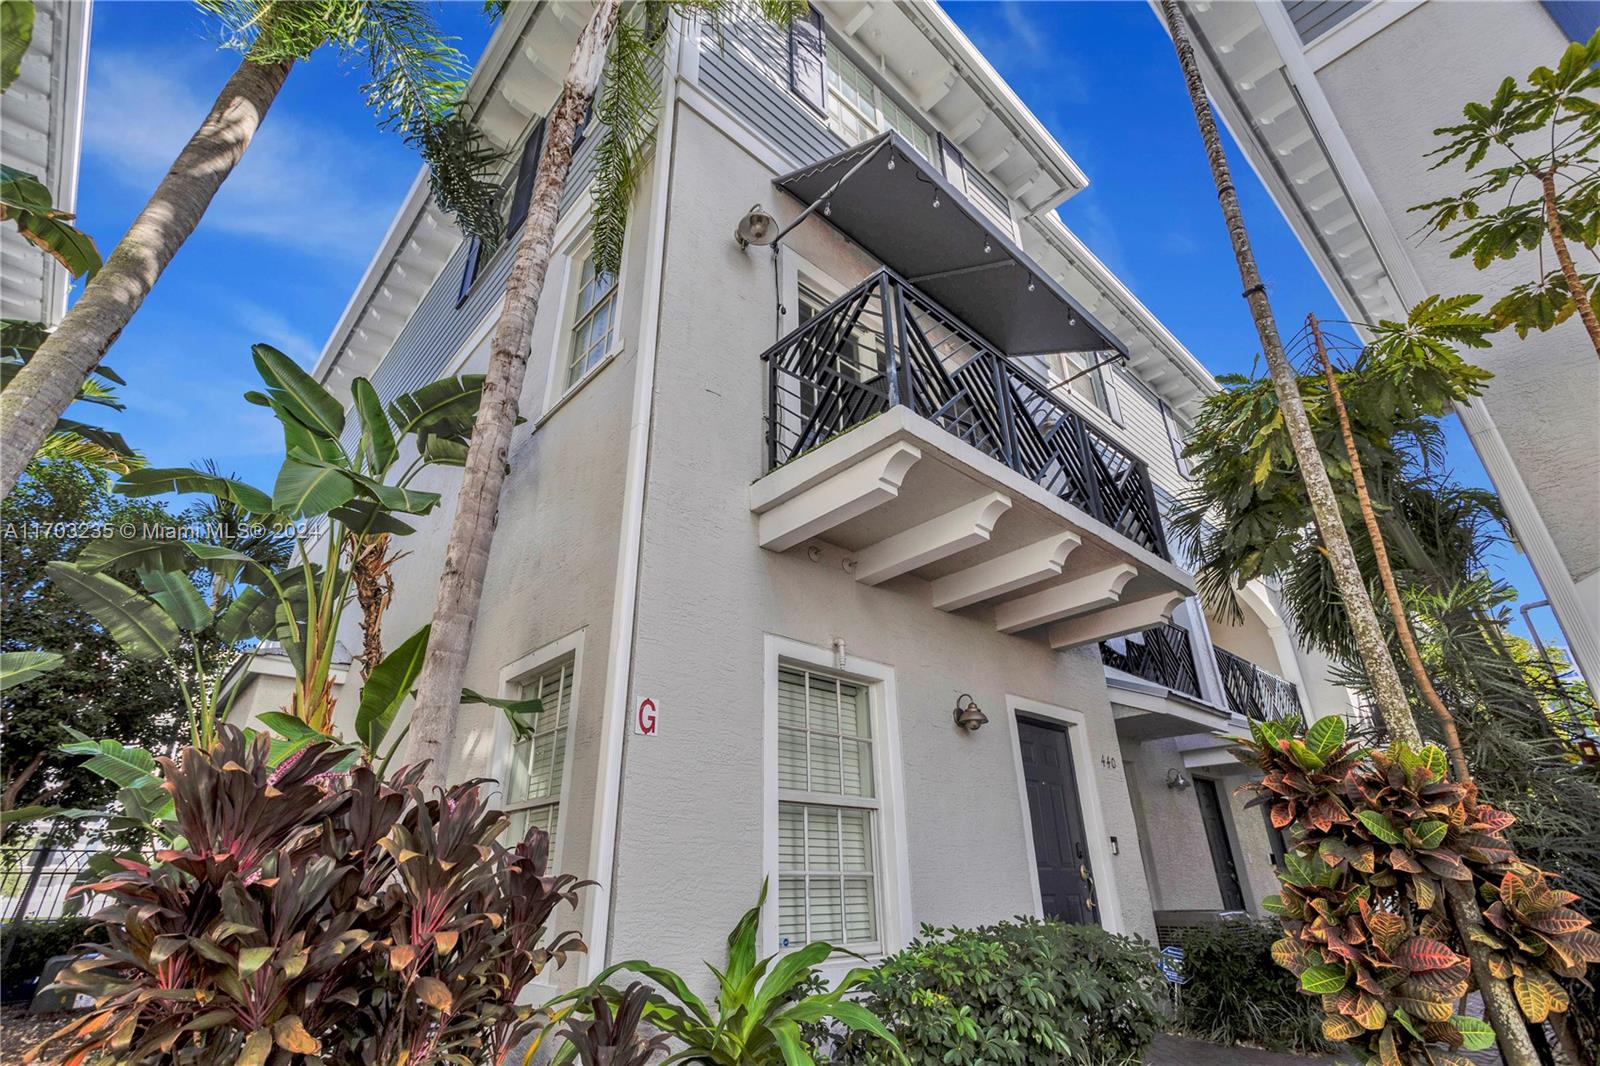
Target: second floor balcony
x,y
904,428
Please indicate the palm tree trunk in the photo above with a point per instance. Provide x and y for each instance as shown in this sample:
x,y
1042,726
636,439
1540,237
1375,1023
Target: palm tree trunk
x,y
1380,552
41,391
1569,270
1379,667
1369,637
477,508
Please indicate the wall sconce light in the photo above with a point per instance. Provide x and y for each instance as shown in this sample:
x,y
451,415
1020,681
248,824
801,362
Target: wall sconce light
x,y
1176,779
968,714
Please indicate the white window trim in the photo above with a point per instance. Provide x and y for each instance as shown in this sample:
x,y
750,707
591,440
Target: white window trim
x,y
512,675
894,880
1108,900
557,391
879,120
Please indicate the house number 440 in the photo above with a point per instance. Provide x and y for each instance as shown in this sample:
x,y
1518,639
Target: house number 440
x,y
1108,761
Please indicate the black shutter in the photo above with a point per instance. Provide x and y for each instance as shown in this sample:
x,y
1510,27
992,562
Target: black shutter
x,y
954,163
1108,381
582,127
808,60
527,173
1175,436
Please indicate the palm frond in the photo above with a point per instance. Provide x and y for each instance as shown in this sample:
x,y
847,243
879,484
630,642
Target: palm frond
x,y
626,111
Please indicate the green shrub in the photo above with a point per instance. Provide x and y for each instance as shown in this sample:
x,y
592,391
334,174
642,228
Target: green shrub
x,y
1237,995
1023,991
37,942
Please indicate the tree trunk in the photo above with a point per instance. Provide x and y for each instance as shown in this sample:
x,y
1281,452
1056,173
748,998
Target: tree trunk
x,y
1380,552
1379,667
41,391
1580,295
1369,637
477,508
14,786
371,572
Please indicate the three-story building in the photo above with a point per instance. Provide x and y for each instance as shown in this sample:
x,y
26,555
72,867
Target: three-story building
x,y
838,561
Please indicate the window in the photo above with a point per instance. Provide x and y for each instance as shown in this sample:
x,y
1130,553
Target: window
x,y
538,764
858,109
593,321
828,812
1089,387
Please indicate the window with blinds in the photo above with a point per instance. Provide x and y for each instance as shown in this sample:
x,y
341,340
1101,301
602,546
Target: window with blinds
x,y
828,811
538,764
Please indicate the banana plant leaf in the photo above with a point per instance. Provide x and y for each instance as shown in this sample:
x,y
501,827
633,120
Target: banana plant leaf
x,y
141,628
19,666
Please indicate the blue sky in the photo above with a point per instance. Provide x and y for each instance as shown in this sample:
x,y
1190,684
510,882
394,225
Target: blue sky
x,y
285,242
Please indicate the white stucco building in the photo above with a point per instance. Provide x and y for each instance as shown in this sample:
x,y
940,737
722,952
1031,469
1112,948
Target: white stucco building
x,y
41,126
1335,105
775,517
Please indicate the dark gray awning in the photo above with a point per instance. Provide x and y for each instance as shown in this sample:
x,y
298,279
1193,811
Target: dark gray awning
x,y
940,250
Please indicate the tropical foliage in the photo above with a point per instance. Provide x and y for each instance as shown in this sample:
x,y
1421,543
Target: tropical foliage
x,y
1236,995
310,913
25,202
759,1012
1017,992
1541,183
59,512
70,439
1380,838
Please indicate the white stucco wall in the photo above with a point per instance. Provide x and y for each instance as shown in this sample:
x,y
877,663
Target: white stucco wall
x,y
1546,388
690,851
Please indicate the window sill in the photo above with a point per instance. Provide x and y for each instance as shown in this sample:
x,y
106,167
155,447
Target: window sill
x,y
550,412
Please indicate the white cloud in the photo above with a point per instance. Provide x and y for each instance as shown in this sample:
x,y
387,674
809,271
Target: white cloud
x,y
299,185
268,326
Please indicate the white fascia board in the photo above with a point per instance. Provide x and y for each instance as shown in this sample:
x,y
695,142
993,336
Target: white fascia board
x,y
500,51
1078,257
971,61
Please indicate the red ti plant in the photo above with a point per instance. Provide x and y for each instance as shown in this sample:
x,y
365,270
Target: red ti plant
x,y
1377,838
317,915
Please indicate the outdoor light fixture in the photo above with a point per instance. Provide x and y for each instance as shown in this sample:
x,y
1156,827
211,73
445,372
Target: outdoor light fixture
x,y
987,246
1030,284
891,160
935,199
1176,780
968,714
827,207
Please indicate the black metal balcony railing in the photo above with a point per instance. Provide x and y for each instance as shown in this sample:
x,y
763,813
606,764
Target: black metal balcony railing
x,y
1161,654
1254,692
884,344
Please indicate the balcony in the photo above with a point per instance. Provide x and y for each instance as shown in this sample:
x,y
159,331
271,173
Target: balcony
x,y
1160,654
1256,693
899,434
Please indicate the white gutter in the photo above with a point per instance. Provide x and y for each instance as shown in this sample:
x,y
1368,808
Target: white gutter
x,y
624,613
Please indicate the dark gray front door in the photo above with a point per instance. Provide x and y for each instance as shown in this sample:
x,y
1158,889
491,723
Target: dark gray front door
x,y
1221,851
1066,883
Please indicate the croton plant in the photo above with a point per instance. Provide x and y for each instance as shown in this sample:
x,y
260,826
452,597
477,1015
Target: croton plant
x,y
1376,836
313,912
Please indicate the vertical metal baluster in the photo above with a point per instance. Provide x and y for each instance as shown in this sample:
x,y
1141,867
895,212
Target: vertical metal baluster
x,y
1003,409
1091,468
1158,532
891,354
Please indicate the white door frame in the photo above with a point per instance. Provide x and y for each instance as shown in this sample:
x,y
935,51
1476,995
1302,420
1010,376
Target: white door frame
x,y
1108,900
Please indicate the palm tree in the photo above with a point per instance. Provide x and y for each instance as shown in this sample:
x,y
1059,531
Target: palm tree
x,y
415,84
622,49
1363,618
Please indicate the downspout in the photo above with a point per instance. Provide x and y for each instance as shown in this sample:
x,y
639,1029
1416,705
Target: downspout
x,y
624,615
